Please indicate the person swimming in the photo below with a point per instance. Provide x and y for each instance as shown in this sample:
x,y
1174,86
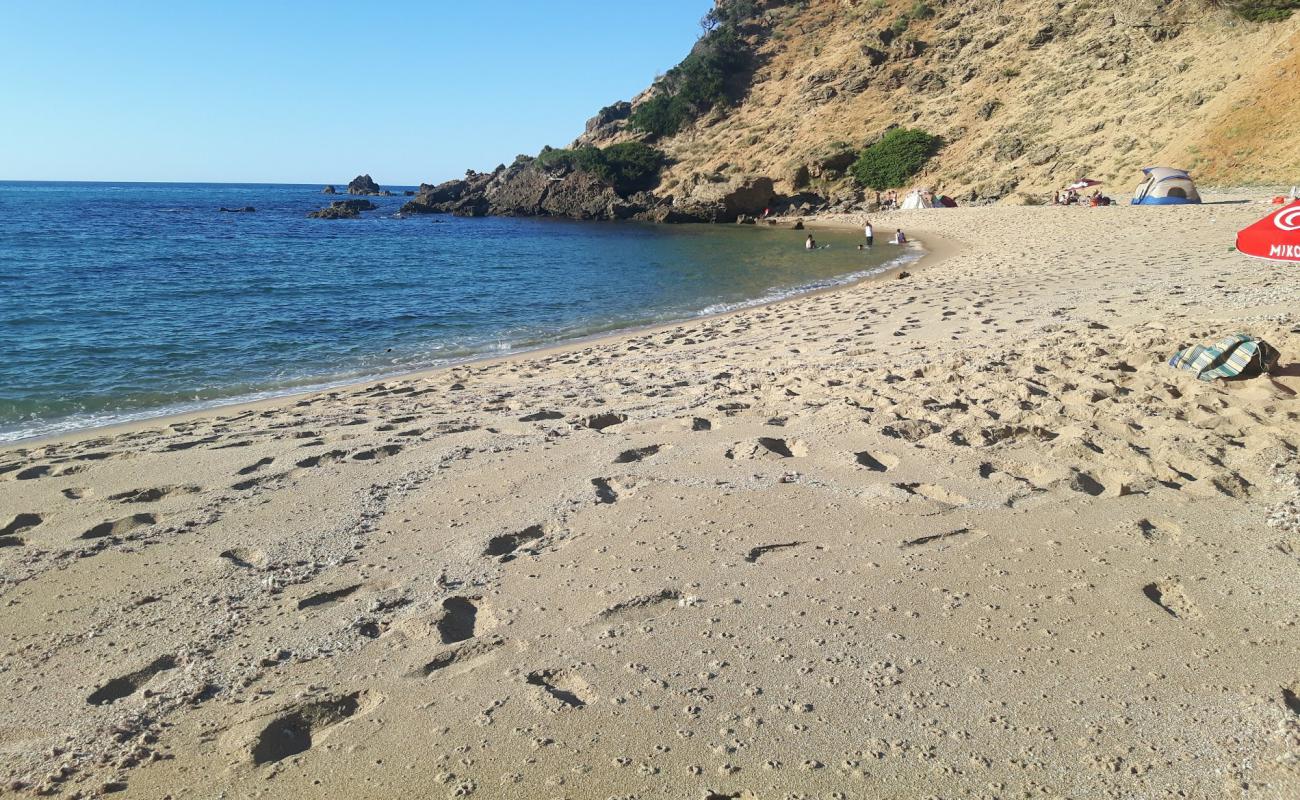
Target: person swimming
x,y
811,244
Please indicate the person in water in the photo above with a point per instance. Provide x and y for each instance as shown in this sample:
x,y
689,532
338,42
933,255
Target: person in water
x,y
870,232
811,244
900,237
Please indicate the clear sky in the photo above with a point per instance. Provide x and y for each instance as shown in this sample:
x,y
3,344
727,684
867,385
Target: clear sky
x,y
315,92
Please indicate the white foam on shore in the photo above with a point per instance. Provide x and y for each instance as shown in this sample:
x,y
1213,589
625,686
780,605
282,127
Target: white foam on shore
x,y
39,429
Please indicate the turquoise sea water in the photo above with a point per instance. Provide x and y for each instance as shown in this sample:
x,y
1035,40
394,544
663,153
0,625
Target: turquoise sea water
x,y
122,301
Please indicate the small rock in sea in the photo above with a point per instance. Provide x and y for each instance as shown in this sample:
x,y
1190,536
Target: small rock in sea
x,y
329,190
363,184
343,209
244,210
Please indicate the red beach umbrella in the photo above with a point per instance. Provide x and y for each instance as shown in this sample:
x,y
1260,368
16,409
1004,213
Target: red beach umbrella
x,y
1275,237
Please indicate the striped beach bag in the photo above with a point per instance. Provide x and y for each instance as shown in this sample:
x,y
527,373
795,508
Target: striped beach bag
x,y
1239,355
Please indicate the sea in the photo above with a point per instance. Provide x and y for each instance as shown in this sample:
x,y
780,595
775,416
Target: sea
x,y
124,301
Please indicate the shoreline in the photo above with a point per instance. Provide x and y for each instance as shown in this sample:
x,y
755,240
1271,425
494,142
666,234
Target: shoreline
x,y
932,250
972,516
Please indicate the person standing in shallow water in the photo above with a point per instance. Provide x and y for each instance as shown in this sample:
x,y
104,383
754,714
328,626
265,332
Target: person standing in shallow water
x,y
811,244
870,233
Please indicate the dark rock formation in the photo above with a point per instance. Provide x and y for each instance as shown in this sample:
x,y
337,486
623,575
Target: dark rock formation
x,y
244,210
526,189
329,190
409,193
363,184
343,209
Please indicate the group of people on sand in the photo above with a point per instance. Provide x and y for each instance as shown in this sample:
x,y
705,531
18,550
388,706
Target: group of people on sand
x,y
869,231
1071,197
888,201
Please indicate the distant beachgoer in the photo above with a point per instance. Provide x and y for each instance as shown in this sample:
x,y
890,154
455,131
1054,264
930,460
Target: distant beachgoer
x,y
811,244
899,237
862,247
870,232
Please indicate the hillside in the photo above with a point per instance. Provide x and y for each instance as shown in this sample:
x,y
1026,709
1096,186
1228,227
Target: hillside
x,y
1026,95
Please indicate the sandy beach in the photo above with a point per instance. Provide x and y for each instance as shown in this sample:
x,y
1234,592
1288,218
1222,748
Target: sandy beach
x,y
959,533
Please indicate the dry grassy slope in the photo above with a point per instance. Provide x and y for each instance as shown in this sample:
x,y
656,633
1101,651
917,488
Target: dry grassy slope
x,y
1085,88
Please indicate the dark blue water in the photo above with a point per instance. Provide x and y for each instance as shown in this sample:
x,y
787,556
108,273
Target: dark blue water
x,y
119,301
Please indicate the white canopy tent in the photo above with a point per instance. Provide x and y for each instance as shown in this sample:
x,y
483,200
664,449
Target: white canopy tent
x,y
917,198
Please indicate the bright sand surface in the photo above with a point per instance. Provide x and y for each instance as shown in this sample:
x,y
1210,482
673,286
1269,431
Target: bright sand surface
x,y
956,534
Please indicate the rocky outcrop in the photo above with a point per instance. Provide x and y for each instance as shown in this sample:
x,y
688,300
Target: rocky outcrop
x,y
364,184
526,189
343,209
329,190
244,210
608,122
727,200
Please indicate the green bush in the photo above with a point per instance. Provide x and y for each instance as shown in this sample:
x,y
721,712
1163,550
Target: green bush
x,y
895,159
628,167
695,86
1264,10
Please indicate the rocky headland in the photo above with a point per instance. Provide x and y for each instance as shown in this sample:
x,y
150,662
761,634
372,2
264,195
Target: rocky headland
x,y
778,102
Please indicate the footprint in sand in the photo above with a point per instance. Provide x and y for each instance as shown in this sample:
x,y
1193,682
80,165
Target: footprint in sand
x,y
639,608
1169,595
561,689
151,495
378,453
876,462
22,522
542,416
638,454
321,458
599,422
464,655
327,597
461,619
934,492
296,729
129,684
246,558
120,526
1158,530
505,545
255,466
767,448
1291,697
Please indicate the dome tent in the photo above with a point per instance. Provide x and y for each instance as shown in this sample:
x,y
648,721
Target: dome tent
x,y
1165,186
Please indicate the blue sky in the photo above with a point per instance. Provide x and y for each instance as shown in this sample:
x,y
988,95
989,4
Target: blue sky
x,y
315,92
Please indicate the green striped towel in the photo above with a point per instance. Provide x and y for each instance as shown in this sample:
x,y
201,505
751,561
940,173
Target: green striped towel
x,y
1239,355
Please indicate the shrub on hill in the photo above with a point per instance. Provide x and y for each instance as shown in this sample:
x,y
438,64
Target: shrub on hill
x,y
628,166
1264,10
693,87
895,159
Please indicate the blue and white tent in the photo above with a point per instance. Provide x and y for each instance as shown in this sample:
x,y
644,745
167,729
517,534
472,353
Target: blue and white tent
x,y
1166,186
